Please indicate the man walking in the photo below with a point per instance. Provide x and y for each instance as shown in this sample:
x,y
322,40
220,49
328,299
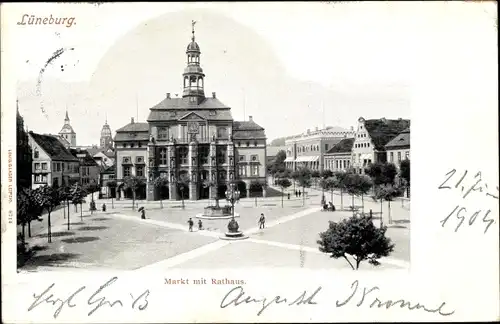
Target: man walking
x,y
200,225
190,223
262,221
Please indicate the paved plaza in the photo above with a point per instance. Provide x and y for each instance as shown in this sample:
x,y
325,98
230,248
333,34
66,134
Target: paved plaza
x,y
119,239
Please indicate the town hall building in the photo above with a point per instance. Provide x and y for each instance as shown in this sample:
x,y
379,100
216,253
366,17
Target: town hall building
x,y
192,140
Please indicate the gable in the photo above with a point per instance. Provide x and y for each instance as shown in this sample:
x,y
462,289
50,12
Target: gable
x,y
192,116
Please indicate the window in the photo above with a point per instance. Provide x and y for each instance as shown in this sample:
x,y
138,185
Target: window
x,y
139,171
399,156
255,143
336,164
63,167
248,144
44,166
163,156
126,171
221,155
139,144
36,154
37,166
124,144
242,171
221,132
132,145
162,133
326,147
183,154
126,159
407,155
242,158
254,158
204,152
368,144
139,159
222,175
54,166
255,170
391,157
239,143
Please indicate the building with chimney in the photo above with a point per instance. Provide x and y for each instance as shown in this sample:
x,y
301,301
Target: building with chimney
x,y
309,148
192,137
67,133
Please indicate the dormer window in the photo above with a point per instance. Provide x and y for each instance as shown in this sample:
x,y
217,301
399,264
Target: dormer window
x,y
132,145
36,154
212,113
255,143
192,99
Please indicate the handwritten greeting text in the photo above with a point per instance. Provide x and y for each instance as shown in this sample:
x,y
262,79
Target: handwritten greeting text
x,y
95,300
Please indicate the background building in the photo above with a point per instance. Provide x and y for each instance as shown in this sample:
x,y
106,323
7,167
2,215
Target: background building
x,y
106,140
89,170
53,164
371,137
398,149
308,149
338,158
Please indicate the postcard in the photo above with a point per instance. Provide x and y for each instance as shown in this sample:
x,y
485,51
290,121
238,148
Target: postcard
x,y
249,162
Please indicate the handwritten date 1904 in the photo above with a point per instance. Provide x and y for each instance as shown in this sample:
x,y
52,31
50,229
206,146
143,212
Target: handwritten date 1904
x,y
96,299
461,211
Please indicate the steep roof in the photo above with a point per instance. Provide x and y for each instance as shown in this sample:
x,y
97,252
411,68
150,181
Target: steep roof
x,y
53,147
401,140
247,130
87,160
176,114
344,146
383,130
184,103
110,169
133,132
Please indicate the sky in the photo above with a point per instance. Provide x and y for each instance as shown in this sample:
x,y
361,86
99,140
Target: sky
x,y
293,66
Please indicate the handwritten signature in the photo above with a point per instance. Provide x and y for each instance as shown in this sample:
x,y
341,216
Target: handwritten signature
x,y
460,211
237,296
96,299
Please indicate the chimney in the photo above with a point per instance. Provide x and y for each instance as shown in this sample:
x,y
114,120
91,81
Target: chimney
x,y
316,128
213,95
250,118
132,120
168,95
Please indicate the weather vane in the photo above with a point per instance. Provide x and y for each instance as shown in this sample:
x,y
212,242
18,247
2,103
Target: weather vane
x,y
193,22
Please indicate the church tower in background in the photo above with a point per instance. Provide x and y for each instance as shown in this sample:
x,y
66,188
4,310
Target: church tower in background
x,y
106,141
67,131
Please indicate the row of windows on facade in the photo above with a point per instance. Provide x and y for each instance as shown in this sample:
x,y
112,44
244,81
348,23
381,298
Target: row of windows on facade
x,y
57,167
242,171
307,148
361,135
338,165
391,156
359,145
313,165
183,157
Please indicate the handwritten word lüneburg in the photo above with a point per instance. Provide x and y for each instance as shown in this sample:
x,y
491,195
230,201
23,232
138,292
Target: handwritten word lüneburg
x,y
29,20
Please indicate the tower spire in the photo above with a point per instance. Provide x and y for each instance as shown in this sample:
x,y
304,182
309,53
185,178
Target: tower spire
x,y
106,118
193,22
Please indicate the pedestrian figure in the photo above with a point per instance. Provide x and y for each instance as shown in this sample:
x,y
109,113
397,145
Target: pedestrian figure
x,y
300,193
262,221
190,223
103,207
200,225
288,196
296,193
143,212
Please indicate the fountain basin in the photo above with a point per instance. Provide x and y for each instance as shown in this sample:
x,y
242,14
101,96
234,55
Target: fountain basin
x,y
233,236
212,217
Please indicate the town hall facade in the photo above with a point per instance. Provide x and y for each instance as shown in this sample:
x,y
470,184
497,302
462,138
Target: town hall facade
x,y
192,140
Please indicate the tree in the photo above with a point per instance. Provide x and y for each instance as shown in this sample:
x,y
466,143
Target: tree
x,y
255,186
304,180
112,185
387,193
47,198
329,184
404,173
294,175
315,175
77,196
23,210
133,183
283,184
358,238
160,183
64,196
92,187
352,184
381,173
364,184
183,184
339,183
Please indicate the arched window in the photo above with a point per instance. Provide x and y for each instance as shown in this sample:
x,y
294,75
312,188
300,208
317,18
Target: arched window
x,y
186,82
